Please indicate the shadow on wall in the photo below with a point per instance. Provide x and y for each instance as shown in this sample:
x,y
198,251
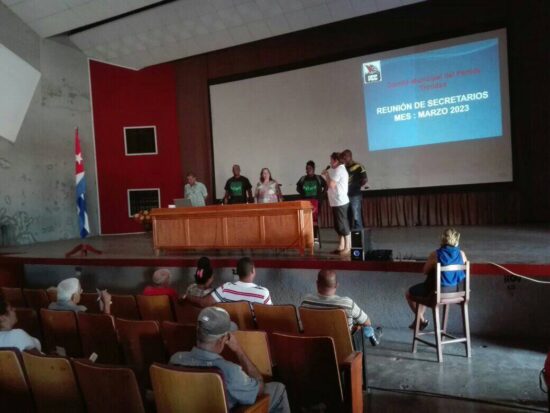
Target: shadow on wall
x,y
15,229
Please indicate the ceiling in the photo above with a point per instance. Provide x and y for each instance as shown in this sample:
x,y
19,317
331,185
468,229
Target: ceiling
x,y
140,33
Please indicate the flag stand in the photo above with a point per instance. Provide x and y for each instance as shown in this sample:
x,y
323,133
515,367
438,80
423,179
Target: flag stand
x,y
83,249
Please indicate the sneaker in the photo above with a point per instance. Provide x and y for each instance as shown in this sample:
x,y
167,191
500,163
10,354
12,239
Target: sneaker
x,y
375,339
423,325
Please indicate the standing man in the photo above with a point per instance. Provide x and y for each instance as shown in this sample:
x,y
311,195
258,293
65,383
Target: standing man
x,y
357,180
311,186
337,184
195,191
237,188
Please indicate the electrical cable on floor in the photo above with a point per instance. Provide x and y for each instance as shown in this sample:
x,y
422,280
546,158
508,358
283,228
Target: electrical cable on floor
x,y
459,398
518,275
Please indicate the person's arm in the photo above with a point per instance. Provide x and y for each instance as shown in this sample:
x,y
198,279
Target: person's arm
x,y
204,193
323,184
278,191
364,178
430,265
330,182
107,301
206,301
226,197
299,187
185,192
247,365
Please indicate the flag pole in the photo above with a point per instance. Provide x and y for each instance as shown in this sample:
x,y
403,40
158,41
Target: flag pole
x,y
83,223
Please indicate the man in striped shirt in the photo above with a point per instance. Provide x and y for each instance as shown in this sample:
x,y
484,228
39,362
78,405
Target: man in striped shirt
x,y
242,290
326,298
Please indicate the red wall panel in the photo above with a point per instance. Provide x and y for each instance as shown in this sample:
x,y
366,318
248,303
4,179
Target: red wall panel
x,y
123,97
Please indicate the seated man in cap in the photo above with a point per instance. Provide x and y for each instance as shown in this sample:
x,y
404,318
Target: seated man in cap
x,y
243,382
68,297
242,290
161,284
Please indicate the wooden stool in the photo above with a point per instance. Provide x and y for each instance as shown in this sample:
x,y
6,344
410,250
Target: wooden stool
x,y
435,302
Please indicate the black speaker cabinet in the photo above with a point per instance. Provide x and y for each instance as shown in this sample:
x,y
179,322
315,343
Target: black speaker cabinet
x,y
361,239
378,255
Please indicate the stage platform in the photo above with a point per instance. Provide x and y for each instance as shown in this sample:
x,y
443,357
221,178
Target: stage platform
x,y
522,249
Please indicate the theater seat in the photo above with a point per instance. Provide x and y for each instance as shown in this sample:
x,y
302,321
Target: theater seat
x,y
240,313
178,337
15,394
53,383
108,388
98,335
309,368
60,330
124,306
36,298
180,389
155,307
14,296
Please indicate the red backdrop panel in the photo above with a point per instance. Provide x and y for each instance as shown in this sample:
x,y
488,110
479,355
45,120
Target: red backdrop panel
x,y
123,97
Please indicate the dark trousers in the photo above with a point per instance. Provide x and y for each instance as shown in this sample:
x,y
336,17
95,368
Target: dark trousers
x,y
358,340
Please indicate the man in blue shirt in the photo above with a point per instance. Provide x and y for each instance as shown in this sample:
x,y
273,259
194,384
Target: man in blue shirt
x,y
243,382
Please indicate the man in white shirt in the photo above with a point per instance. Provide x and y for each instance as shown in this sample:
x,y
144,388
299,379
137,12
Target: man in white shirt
x,y
195,191
242,290
14,337
337,182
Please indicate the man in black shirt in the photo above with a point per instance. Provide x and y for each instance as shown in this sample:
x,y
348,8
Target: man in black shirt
x,y
237,188
357,180
311,186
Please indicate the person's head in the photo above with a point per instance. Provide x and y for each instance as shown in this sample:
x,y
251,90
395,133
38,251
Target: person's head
x,y
246,270
326,282
310,168
191,178
203,275
213,328
450,237
347,157
161,277
236,171
335,159
265,175
8,318
69,290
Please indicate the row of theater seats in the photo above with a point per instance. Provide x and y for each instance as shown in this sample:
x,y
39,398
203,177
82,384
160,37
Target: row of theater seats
x,y
141,343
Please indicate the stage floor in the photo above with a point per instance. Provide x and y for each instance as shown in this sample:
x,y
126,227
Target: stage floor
x,y
524,249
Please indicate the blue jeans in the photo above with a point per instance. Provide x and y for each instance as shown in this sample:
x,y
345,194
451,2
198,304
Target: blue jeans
x,y
355,212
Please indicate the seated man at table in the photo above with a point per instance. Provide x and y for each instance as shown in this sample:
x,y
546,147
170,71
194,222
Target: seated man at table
x,y
243,382
242,290
358,321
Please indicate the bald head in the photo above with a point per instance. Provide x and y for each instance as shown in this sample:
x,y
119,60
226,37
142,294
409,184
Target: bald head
x,y
326,282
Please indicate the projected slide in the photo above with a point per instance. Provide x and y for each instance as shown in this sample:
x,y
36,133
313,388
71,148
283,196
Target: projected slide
x,y
445,95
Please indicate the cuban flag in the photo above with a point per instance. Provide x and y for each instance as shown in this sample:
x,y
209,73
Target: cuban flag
x,y
83,223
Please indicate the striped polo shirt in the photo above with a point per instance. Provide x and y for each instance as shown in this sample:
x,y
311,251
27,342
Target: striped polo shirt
x,y
354,314
241,291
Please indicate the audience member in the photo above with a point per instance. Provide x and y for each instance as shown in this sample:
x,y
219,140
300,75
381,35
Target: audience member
x,y
358,322
195,191
203,279
237,188
451,281
68,297
311,186
243,382
267,190
242,290
337,182
161,284
357,180
14,337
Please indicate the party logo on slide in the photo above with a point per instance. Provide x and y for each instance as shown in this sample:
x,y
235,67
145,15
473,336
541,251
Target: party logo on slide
x,y
372,72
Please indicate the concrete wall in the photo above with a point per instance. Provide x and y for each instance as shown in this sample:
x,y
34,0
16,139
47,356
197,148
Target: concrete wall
x,y
37,195
499,306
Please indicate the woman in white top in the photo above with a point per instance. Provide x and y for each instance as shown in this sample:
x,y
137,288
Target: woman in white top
x,y
337,182
268,190
14,337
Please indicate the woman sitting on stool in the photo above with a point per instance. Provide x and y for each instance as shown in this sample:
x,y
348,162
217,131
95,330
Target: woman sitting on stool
x,y
451,281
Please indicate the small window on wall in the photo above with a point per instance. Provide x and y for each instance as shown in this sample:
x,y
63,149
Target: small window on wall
x,y
142,200
140,140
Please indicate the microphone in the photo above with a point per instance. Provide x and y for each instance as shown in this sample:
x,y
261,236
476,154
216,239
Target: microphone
x,y
327,168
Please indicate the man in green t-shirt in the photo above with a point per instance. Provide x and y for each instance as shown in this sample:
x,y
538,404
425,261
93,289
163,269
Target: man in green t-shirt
x,y
237,188
311,186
